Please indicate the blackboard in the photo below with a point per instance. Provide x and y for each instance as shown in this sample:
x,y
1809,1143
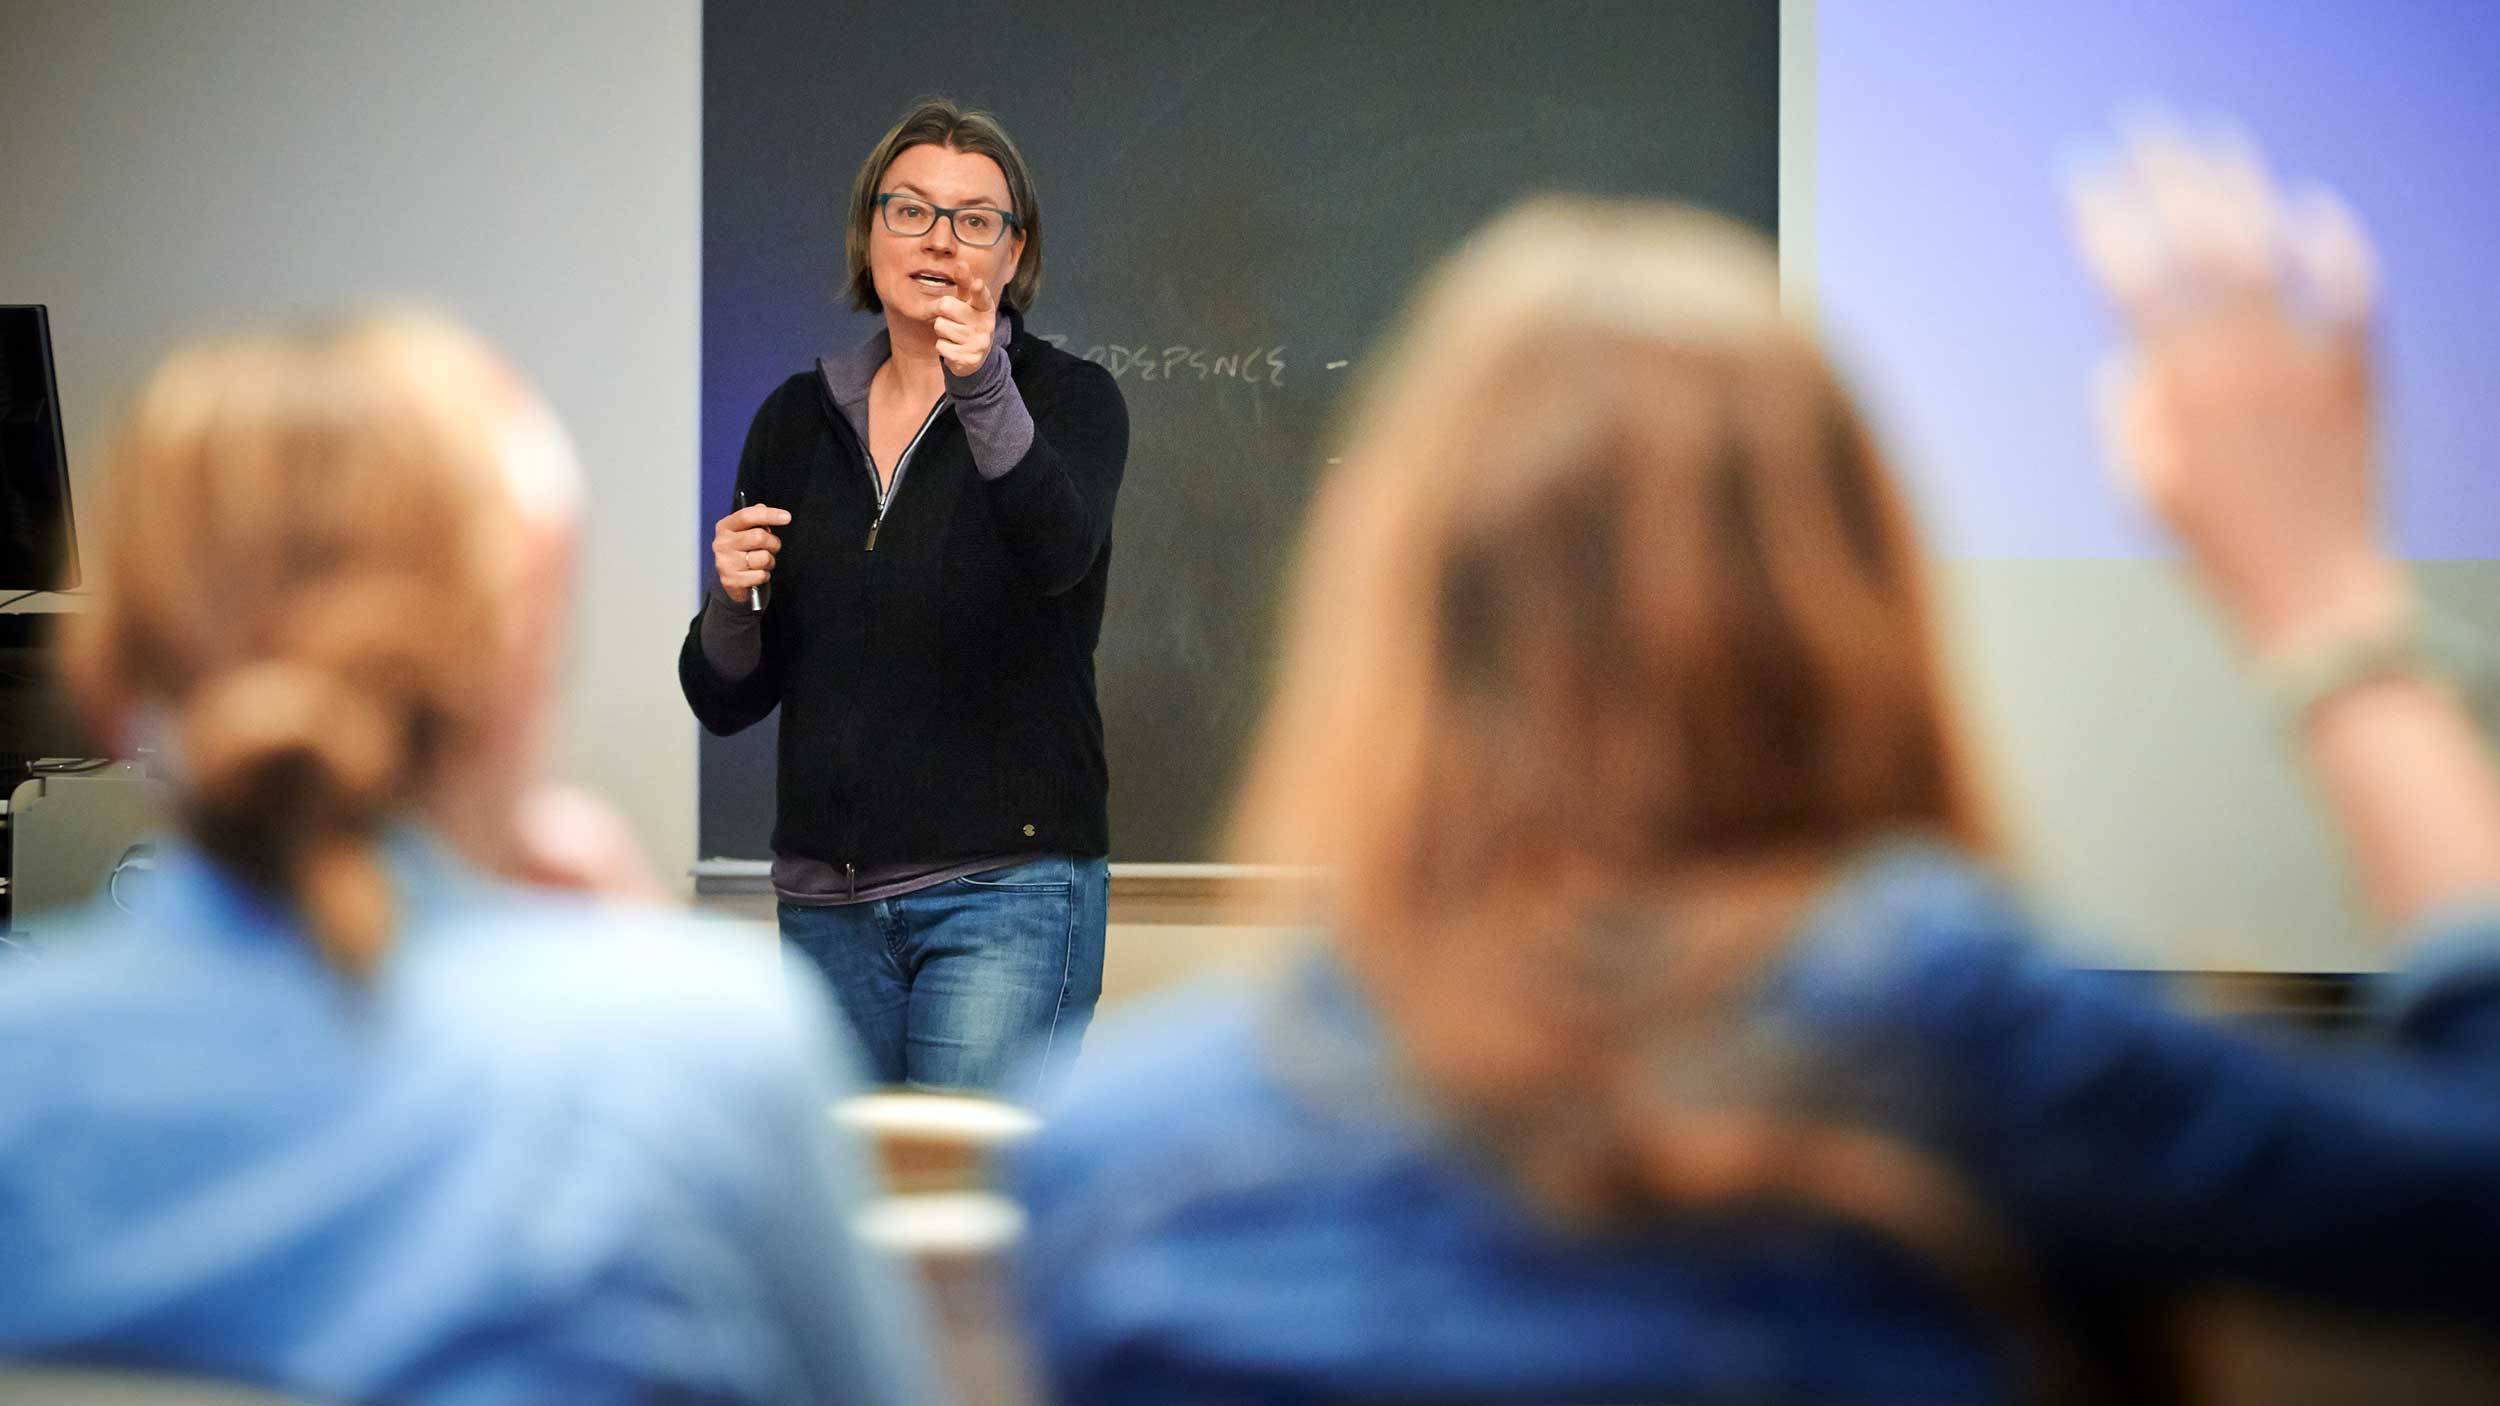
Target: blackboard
x,y
1236,200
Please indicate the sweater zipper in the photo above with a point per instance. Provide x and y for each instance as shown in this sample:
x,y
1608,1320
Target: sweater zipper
x,y
885,494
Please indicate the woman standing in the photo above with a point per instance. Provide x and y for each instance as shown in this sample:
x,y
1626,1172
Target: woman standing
x,y
916,579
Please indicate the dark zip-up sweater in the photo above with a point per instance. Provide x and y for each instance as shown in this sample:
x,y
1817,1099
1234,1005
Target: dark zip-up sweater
x,y
936,691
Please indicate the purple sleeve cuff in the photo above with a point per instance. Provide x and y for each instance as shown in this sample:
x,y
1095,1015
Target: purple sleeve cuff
x,y
995,421
733,635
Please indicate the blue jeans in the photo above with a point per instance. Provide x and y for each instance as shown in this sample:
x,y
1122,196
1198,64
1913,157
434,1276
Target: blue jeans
x,y
971,982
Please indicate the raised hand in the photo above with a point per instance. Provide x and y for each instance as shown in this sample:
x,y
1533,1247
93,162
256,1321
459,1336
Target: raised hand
x,y
2243,414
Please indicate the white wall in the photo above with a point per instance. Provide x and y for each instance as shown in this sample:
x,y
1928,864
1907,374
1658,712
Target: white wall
x,y
169,167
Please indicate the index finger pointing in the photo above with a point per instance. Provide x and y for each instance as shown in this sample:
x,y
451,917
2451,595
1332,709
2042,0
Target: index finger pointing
x,y
760,515
982,299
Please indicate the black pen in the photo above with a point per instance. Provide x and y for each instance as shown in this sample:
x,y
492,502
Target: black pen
x,y
755,593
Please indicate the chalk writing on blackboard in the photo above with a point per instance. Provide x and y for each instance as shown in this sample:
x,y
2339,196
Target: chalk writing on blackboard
x,y
1189,362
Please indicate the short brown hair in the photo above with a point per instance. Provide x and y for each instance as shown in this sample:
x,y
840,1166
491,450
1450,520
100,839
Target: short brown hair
x,y
944,122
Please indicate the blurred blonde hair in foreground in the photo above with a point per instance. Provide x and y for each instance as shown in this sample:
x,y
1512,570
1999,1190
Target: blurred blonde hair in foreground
x,y
312,545
1611,640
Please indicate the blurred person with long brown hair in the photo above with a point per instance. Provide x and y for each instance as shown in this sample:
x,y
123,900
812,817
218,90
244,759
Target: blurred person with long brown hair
x,y
349,1101
1680,1036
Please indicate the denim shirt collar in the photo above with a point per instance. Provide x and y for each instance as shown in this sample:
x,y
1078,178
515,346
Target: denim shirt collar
x,y
1328,1043
1329,1047
427,880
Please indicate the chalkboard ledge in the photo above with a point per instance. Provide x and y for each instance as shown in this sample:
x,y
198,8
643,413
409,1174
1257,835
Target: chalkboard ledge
x,y
1140,893
1246,894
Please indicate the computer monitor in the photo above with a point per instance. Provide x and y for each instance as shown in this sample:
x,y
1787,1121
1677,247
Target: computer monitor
x,y
38,541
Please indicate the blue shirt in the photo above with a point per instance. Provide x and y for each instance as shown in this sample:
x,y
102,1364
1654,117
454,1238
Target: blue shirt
x,y
548,1153
1237,1200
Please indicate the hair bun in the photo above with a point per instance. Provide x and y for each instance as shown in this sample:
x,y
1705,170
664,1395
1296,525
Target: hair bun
x,y
281,739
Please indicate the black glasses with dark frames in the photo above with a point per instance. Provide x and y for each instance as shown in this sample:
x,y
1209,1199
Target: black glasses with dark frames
x,y
977,225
